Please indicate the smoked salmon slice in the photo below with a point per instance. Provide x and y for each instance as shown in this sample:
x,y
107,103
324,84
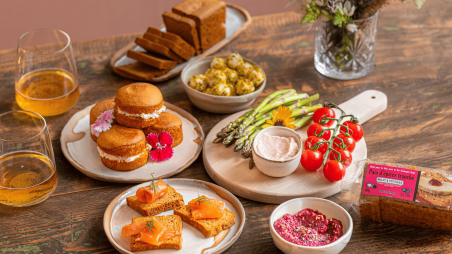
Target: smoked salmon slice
x,y
205,208
151,231
151,193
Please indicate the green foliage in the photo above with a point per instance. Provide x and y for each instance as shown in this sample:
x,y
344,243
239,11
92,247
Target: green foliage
x,y
419,3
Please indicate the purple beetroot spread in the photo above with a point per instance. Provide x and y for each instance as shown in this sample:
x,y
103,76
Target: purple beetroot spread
x,y
308,228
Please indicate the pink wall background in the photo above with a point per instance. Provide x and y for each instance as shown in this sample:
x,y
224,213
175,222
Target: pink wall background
x,y
90,19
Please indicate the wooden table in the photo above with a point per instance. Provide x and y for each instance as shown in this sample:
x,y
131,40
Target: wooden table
x,y
413,67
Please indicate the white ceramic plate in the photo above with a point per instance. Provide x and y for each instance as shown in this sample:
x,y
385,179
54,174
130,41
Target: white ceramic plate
x,y
119,214
237,20
81,151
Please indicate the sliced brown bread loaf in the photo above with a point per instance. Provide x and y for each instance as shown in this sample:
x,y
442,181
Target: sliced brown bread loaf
x,y
170,201
173,37
158,49
210,227
176,48
209,16
170,222
152,60
141,71
182,26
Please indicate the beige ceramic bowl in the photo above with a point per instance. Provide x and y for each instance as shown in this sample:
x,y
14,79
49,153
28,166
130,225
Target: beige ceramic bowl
x,y
277,168
213,103
328,208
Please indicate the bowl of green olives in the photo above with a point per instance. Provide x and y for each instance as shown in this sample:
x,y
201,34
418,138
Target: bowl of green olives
x,y
223,84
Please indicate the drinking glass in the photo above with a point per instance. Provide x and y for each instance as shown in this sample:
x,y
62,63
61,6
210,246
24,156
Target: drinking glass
x,y
27,165
46,74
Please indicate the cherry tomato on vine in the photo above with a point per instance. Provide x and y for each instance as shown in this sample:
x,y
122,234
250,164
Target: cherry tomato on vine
x,y
322,113
316,128
312,140
311,160
334,171
356,130
349,142
346,156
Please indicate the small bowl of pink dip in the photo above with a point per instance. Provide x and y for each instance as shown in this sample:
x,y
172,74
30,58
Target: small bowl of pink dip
x,y
277,151
310,225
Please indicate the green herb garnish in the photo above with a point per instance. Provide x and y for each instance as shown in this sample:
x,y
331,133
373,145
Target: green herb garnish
x,y
152,184
150,225
202,199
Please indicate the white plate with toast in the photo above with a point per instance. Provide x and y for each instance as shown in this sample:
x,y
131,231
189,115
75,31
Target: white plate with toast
x,y
81,151
237,20
119,214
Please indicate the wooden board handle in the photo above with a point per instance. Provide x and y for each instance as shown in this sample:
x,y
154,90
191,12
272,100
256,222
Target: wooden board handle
x,y
366,105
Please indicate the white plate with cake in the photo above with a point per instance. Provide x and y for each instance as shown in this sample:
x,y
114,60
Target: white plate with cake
x,y
173,211
192,30
110,141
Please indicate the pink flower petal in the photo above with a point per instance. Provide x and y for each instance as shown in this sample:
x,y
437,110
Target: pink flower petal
x,y
106,116
165,138
152,139
103,126
168,150
94,129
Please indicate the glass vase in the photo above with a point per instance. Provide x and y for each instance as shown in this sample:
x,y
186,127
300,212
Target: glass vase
x,y
345,55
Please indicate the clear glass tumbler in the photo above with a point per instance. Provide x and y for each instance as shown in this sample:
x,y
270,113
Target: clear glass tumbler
x,y
345,55
27,165
46,74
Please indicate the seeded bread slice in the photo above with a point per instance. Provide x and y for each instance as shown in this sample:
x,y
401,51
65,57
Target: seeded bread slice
x,y
173,37
152,60
182,26
170,222
209,227
170,201
158,48
141,71
176,48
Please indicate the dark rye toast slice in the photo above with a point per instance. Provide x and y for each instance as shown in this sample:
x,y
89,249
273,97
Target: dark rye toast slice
x,y
170,44
170,201
172,37
152,60
170,222
209,16
141,71
209,227
158,49
184,27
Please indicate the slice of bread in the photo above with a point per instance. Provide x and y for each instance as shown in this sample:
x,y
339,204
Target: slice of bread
x,y
186,55
170,222
173,37
152,60
141,71
158,49
209,16
209,227
182,26
170,201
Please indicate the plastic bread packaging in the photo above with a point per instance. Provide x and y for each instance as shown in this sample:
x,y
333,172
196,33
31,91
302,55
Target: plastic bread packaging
x,y
399,193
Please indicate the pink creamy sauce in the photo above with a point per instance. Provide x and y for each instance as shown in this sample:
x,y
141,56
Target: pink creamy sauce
x,y
276,148
308,228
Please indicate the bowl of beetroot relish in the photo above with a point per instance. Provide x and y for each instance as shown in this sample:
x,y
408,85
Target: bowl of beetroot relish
x,y
310,225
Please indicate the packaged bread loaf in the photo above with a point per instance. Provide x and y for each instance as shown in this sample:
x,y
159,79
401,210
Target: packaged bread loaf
x,y
401,194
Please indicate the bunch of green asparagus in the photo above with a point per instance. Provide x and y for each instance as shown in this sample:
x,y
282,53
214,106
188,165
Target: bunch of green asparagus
x,y
244,129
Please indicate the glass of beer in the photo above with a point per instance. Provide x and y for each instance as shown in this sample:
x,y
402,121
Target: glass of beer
x,y
46,74
27,165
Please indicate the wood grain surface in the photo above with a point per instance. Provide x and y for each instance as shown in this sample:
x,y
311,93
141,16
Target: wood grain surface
x,y
413,67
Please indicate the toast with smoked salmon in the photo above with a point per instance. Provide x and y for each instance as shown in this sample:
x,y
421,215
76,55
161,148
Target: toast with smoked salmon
x,y
171,200
169,222
209,227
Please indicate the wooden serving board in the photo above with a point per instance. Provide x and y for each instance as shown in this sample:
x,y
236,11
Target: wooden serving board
x,y
230,170
237,20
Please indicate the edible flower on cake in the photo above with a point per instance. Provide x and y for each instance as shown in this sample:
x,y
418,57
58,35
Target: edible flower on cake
x,y
151,193
308,228
103,123
151,231
161,146
205,208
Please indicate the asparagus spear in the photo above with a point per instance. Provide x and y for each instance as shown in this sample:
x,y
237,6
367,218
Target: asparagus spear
x,y
299,123
288,93
218,140
228,140
247,148
234,124
251,163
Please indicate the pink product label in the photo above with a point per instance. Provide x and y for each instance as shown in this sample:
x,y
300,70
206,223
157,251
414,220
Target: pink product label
x,y
391,182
